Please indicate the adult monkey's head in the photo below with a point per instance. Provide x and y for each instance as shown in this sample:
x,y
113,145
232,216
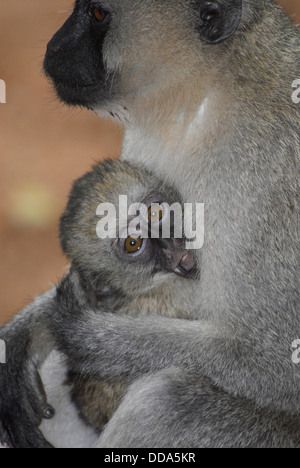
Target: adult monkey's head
x,y
111,55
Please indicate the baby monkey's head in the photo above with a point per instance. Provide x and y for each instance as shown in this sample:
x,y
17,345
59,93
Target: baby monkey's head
x,y
96,232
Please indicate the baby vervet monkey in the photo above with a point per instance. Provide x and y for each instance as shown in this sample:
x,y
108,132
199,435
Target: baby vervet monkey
x,y
131,274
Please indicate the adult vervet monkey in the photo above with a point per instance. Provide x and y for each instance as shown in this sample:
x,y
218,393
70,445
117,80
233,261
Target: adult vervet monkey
x,y
204,90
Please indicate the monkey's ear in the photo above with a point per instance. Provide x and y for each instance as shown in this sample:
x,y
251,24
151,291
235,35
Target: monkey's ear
x,y
219,19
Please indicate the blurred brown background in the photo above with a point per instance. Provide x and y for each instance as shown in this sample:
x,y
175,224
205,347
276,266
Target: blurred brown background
x,y
44,146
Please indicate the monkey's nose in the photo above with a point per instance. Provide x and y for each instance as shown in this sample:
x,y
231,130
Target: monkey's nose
x,y
188,262
187,267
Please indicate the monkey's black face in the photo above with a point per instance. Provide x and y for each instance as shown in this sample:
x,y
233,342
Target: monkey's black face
x,y
120,51
74,58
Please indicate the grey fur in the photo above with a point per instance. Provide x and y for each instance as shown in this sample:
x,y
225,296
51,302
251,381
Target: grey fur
x,y
106,279
197,414
22,398
219,123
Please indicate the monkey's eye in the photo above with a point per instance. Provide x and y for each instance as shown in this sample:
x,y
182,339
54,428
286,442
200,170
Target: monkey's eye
x,y
100,14
155,213
133,244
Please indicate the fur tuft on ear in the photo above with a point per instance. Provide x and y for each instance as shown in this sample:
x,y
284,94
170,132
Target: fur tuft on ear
x,y
218,19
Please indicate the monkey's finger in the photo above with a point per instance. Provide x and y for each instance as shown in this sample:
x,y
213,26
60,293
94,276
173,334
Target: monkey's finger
x,y
28,439
48,412
4,438
39,401
19,432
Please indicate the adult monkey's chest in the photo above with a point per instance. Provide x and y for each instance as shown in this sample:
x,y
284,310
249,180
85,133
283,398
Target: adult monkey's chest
x,y
201,179
236,206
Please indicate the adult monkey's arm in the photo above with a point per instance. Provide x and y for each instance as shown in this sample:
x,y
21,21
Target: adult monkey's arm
x,y
23,402
116,346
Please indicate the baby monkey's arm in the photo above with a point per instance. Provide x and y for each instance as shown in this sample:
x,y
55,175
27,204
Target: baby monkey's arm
x,y
109,346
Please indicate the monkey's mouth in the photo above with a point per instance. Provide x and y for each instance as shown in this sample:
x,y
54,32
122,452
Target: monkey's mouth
x,y
79,95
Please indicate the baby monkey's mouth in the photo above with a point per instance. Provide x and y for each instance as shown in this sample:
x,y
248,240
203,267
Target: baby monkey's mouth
x,y
177,259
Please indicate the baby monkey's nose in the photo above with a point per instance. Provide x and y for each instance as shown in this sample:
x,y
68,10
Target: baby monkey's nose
x,y
187,267
188,262
176,258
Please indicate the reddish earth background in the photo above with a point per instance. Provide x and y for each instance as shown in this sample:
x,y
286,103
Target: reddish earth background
x,y
43,147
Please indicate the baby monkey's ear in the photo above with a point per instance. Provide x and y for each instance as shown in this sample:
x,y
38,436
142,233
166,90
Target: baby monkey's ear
x,y
98,292
218,19
105,296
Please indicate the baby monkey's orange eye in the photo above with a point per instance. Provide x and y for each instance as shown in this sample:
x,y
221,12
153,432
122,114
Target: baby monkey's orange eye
x,y
100,14
155,213
133,244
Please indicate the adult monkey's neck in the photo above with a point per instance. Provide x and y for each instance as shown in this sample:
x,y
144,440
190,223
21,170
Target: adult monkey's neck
x,y
170,147
233,114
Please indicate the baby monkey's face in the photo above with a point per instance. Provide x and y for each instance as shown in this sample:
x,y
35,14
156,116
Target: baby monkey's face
x,y
155,245
132,243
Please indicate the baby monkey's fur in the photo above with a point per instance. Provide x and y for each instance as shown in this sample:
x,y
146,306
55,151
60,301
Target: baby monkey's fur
x,y
105,278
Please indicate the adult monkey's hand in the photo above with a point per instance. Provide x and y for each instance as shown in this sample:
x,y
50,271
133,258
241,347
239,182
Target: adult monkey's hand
x,y
23,403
